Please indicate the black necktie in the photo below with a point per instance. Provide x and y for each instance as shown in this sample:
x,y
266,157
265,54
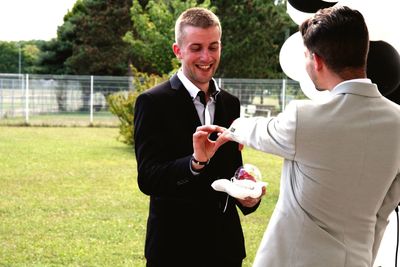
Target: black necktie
x,y
202,96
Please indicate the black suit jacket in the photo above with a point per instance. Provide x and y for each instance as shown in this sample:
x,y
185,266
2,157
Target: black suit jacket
x,y
186,224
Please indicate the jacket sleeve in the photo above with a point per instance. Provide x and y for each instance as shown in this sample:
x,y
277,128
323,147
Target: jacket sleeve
x,y
157,175
274,135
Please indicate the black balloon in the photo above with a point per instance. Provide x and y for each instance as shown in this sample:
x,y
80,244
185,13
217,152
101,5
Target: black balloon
x,y
395,96
383,66
310,6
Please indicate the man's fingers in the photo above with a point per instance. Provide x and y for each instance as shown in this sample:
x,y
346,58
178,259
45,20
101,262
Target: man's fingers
x,y
222,139
249,202
201,134
211,128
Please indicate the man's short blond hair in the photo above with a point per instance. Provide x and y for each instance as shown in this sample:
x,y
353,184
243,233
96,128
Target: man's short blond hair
x,y
196,17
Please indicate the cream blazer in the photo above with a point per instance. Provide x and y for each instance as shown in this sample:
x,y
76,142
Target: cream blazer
x,y
340,178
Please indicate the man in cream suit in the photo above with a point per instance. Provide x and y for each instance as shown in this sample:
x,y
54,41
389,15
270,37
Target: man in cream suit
x,y
341,174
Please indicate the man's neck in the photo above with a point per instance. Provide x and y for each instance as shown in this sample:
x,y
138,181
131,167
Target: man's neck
x,y
344,75
353,73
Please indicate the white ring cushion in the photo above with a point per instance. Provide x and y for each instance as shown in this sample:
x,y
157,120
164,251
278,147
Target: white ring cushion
x,y
239,188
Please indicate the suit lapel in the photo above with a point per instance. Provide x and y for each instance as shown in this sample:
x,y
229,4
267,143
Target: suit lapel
x,y
188,110
222,114
185,103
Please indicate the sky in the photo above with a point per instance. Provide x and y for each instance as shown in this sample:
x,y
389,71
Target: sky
x,y
23,20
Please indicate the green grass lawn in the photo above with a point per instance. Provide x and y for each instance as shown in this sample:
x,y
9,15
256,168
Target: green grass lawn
x,y
69,197
72,119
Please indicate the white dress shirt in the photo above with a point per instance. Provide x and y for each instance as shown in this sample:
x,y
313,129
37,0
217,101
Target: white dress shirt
x,y
206,114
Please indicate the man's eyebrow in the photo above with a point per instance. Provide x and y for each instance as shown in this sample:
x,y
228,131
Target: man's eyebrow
x,y
200,44
217,42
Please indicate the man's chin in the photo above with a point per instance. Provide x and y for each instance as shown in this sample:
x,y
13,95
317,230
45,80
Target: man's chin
x,y
205,77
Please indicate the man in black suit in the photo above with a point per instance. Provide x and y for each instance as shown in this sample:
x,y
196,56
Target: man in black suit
x,y
189,223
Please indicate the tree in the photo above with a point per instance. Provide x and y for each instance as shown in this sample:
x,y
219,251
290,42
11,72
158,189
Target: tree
x,y
20,56
253,32
103,37
152,33
55,53
30,52
97,47
90,40
9,58
52,57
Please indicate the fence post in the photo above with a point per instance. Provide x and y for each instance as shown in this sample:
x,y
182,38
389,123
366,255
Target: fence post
x,y
283,94
12,95
27,99
91,99
1,98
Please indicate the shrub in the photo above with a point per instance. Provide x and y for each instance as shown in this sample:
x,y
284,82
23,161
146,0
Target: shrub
x,y
122,103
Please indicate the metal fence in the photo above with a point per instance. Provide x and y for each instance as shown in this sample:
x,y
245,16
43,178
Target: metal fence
x,y
262,97
69,100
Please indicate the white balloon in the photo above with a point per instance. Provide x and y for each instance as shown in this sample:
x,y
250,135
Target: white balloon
x,y
291,57
292,61
297,16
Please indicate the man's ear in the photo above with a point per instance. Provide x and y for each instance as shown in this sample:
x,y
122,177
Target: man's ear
x,y
318,62
177,50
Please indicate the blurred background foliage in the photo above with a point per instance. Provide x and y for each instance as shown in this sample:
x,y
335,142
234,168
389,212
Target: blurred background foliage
x,y
110,37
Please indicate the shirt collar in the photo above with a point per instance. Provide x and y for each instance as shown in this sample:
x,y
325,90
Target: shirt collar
x,y
360,80
363,87
193,89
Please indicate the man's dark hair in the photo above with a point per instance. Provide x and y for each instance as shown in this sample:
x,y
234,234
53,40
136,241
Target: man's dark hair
x,y
197,17
339,35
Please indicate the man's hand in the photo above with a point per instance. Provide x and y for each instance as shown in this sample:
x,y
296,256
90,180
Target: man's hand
x,y
249,202
225,137
204,148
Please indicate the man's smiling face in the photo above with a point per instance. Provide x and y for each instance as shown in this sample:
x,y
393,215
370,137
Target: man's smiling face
x,y
199,53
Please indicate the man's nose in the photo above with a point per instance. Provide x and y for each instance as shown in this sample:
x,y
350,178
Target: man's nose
x,y
205,55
